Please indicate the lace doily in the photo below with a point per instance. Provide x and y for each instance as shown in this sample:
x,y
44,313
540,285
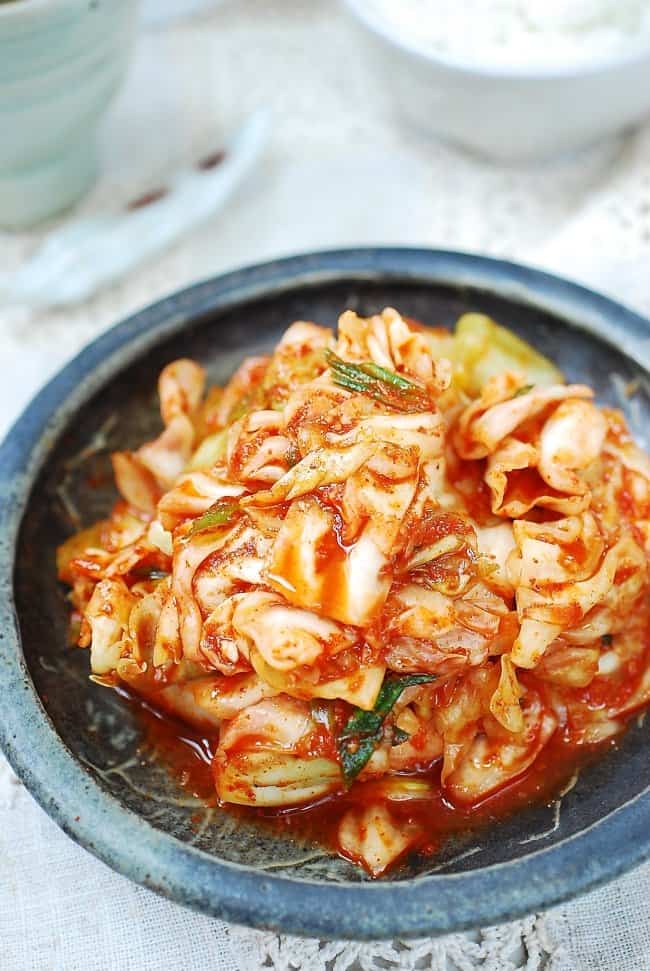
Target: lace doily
x,y
340,172
511,947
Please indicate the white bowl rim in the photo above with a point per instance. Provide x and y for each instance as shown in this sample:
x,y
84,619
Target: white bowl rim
x,y
603,65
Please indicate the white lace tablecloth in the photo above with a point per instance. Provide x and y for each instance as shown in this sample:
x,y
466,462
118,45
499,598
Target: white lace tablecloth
x,y
339,171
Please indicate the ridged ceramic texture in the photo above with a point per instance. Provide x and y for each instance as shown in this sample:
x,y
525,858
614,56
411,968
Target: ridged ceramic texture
x,y
60,63
76,745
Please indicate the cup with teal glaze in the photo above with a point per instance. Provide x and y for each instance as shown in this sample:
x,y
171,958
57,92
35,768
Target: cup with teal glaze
x,y
60,63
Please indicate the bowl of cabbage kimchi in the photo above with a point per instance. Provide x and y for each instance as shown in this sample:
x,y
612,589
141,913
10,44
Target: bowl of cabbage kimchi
x,y
331,594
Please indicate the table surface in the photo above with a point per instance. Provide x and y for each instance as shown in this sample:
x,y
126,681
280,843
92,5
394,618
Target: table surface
x,y
340,170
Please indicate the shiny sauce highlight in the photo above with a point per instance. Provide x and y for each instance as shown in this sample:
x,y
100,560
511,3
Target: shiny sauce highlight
x,y
187,754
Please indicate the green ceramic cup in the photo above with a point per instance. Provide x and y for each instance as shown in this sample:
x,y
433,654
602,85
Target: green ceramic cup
x,y
60,63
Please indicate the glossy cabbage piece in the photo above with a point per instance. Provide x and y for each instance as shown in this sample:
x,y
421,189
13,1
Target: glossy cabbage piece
x,y
480,349
263,757
387,566
373,837
493,759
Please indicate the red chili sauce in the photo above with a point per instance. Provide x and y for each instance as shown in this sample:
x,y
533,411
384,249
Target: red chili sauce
x,y
188,756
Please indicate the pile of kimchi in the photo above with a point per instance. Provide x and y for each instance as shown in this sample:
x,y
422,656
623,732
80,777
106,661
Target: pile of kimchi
x,y
373,554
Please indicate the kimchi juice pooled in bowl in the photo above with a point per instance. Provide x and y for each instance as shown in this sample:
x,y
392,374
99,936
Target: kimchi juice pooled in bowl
x,y
396,578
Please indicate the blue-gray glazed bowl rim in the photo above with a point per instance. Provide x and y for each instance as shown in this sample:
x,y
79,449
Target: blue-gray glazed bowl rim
x,y
431,905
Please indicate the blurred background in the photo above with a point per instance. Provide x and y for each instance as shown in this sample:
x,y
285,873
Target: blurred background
x,y
510,127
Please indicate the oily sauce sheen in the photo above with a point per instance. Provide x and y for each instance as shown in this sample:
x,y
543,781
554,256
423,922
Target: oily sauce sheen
x,y
188,755
402,558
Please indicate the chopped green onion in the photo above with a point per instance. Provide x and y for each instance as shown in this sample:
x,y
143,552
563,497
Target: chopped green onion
x,y
523,390
399,736
219,514
379,383
149,573
363,731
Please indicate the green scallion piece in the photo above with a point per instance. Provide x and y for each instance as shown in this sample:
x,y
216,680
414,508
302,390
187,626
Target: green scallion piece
x,y
149,573
363,731
391,389
222,512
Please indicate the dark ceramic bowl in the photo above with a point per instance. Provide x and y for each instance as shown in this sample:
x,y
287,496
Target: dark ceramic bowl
x,y
75,744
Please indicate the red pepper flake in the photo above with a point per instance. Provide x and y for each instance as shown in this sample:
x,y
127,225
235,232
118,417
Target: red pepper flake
x,y
146,199
211,161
